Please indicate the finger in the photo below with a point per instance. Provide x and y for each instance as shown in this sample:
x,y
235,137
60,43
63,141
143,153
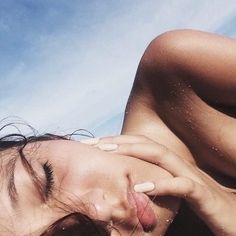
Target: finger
x,y
90,141
198,196
158,155
119,139
214,207
182,187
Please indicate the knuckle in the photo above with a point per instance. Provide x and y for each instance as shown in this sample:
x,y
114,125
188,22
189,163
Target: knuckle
x,y
130,147
142,138
164,151
190,186
107,139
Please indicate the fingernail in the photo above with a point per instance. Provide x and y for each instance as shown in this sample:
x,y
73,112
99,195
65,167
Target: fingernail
x,y
144,187
107,146
90,141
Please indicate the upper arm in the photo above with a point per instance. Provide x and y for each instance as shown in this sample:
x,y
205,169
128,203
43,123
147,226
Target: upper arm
x,y
207,61
178,70
141,119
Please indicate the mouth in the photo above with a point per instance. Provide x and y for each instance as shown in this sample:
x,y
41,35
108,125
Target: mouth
x,y
142,204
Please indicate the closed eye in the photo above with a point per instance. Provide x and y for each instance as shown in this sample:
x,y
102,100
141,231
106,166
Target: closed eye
x,y
48,169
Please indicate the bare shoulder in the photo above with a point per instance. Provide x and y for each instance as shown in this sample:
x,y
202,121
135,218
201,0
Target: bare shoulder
x,y
206,60
183,78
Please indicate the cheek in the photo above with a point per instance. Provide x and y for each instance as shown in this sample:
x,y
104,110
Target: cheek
x,y
144,171
83,174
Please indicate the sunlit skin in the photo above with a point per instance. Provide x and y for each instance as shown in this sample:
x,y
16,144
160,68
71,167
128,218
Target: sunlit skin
x,y
88,180
183,98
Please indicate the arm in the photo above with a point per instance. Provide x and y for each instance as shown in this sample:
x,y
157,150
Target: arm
x,y
181,75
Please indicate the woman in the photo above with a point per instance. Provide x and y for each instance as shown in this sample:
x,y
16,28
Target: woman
x,y
183,101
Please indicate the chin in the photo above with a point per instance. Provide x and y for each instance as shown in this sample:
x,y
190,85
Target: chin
x,y
165,209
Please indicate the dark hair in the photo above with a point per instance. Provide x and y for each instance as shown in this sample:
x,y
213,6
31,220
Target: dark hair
x,y
73,224
77,224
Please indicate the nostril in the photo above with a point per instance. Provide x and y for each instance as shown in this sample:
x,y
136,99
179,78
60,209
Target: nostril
x,y
99,203
104,196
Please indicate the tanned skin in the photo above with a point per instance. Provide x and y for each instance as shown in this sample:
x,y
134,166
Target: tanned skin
x,y
184,97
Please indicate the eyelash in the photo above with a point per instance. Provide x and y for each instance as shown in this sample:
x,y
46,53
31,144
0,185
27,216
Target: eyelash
x,y
48,169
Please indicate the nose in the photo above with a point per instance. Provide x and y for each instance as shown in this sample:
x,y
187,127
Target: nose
x,y
103,207
98,204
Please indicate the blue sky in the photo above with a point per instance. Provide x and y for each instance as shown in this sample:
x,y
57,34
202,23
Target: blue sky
x,y
68,64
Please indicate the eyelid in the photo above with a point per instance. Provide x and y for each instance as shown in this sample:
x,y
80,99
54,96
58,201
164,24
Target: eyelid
x,y
31,178
49,178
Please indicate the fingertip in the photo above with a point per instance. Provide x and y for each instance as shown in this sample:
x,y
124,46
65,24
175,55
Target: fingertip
x,y
144,187
107,146
90,141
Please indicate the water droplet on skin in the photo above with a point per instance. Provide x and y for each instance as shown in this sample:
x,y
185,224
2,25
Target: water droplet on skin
x,y
189,121
169,220
214,148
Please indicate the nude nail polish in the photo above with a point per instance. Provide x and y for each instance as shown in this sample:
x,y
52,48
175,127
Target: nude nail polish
x,y
144,187
107,146
90,141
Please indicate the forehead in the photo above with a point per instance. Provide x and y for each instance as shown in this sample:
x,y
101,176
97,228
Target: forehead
x,y
8,160
39,151
65,149
42,150
7,155
59,147
13,221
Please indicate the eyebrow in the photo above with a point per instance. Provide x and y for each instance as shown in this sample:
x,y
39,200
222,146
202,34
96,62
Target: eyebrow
x,y
11,188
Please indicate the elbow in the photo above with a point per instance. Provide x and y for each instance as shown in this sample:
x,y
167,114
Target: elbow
x,y
168,51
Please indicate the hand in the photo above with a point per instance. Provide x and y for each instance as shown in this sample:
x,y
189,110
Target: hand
x,y
213,203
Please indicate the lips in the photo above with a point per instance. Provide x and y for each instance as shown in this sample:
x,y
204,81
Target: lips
x,y
144,211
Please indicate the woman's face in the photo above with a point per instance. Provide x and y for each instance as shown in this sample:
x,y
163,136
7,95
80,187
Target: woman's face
x,y
85,179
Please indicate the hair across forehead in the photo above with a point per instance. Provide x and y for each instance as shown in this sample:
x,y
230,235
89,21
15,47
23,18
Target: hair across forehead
x,y
77,224
14,146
